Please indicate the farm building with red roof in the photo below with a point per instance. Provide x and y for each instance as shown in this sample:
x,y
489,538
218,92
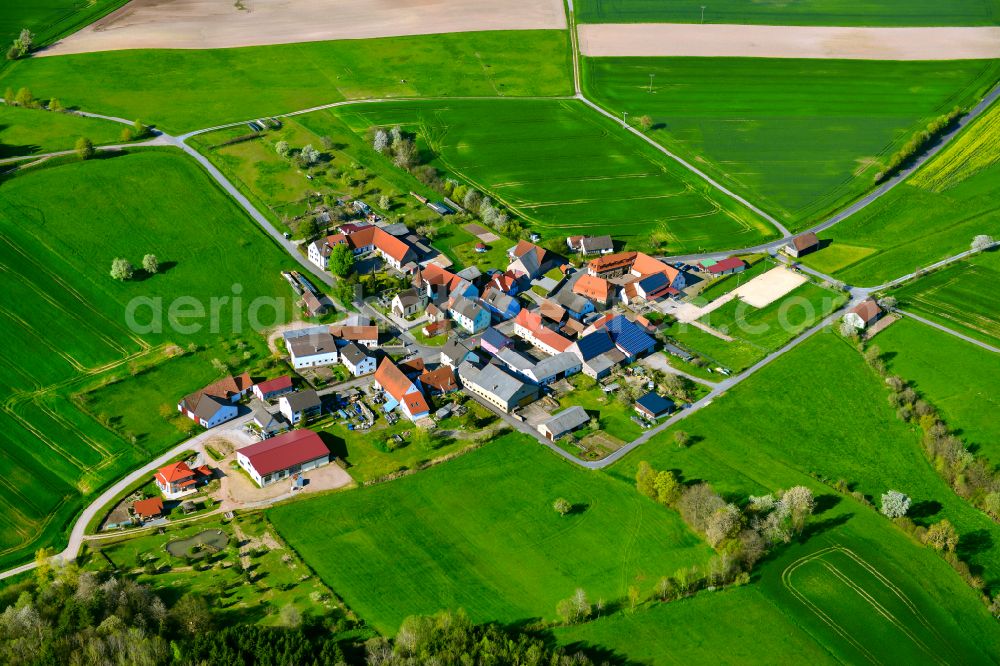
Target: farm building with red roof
x,y
273,388
283,456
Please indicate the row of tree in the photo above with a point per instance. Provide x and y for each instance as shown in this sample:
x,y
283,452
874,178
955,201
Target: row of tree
x,y
918,143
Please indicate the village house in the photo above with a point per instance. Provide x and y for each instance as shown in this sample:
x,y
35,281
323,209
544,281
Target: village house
x,y
438,284
651,288
576,306
453,353
148,509
401,392
527,259
595,289
268,422
528,326
311,347
469,314
802,245
552,311
283,456
319,250
439,381
507,282
216,403
654,406
500,304
637,265
300,405
407,303
273,388
564,422
497,386
395,252
493,341
553,368
357,361
366,336
592,350
178,479
630,338
864,314
587,245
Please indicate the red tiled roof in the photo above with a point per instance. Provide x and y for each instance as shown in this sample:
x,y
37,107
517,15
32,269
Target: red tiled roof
x,y
174,472
442,379
390,245
416,403
524,247
612,262
351,227
354,333
552,310
867,309
805,241
291,448
148,508
553,339
392,380
592,287
727,264
277,384
415,364
362,237
436,327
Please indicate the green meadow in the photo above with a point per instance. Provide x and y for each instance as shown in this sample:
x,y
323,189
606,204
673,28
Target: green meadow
x,y
568,170
835,421
90,397
30,131
959,378
804,12
479,533
184,90
932,215
962,295
798,138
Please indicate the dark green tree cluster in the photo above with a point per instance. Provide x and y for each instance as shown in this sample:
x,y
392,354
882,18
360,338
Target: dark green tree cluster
x,y
263,646
451,638
918,144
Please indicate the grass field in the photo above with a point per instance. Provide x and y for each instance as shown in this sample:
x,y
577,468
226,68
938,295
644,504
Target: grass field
x,y
830,404
932,215
50,19
568,170
480,533
815,602
30,131
960,379
183,90
65,329
962,296
808,12
798,138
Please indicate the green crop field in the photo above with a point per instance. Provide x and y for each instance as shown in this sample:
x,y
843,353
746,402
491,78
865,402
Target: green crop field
x,y
480,533
805,12
30,131
183,90
814,602
932,215
568,170
798,138
830,404
960,379
962,295
50,19
66,334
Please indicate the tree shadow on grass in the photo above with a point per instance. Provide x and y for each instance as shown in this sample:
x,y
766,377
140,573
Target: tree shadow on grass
x,y
825,502
818,527
924,509
973,543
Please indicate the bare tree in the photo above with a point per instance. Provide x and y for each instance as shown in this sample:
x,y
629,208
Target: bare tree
x,y
723,524
982,242
697,504
895,504
382,142
800,503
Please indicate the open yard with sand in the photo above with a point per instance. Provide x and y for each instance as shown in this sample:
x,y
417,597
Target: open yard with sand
x,y
767,41
208,24
758,292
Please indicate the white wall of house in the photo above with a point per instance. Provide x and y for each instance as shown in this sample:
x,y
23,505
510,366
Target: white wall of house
x,y
226,413
365,367
313,360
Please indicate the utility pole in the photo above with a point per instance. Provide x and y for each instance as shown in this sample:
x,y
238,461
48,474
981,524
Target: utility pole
x,y
624,121
651,82
703,13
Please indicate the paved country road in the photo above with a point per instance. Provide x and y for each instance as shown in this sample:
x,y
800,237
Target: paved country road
x,y
949,331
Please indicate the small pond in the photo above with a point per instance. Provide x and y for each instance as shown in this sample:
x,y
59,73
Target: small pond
x,y
213,540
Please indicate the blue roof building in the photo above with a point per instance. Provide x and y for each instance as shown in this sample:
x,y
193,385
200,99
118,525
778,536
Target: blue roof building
x,y
630,338
594,344
654,405
493,341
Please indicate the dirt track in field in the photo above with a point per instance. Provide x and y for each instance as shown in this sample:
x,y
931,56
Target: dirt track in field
x,y
204,24
765,41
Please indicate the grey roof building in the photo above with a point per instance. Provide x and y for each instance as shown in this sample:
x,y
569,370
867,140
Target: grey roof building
x,y
564,422
497,386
